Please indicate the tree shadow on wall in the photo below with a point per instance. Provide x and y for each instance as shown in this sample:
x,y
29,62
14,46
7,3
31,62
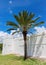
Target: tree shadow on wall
x,y
35,46
31,45
39,46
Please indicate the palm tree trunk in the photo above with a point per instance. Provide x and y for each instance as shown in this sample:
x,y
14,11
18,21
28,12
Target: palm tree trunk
x,y
25,45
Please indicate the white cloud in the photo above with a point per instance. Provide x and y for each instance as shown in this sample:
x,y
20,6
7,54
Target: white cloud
x,y
14,30
3,33
17,34
40,29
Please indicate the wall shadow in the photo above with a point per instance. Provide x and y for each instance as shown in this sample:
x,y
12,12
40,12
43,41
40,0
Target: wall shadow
x,y
35,45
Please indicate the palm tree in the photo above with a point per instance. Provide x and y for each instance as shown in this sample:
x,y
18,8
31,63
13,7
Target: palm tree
x,y
25,23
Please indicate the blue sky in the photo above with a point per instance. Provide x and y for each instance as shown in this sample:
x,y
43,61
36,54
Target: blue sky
x,y
10,7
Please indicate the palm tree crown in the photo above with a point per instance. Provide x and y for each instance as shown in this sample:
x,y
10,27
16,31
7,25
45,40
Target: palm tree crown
x,y
25,21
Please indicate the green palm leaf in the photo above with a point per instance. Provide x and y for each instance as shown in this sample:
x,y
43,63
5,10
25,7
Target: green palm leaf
x,y
11,29
37,19
13,33
30,16
40,23
12,24
34,21
19,19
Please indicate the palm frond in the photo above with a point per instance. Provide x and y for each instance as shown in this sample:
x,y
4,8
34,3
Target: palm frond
x,y
25,15
40,23
30,16
13,33
37,19
17,18
9,23
29,19
11,29
34,21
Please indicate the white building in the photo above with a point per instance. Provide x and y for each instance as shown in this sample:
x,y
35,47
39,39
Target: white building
x,y
36,44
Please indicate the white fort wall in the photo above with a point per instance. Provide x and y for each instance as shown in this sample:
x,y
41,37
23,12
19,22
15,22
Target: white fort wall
x,y
36,45
13,46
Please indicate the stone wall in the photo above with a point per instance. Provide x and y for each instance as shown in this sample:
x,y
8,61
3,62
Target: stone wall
x,y
36,45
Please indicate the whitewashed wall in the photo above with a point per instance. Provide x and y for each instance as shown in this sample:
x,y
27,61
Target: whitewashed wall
x,y
8,45
13,46
36,45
